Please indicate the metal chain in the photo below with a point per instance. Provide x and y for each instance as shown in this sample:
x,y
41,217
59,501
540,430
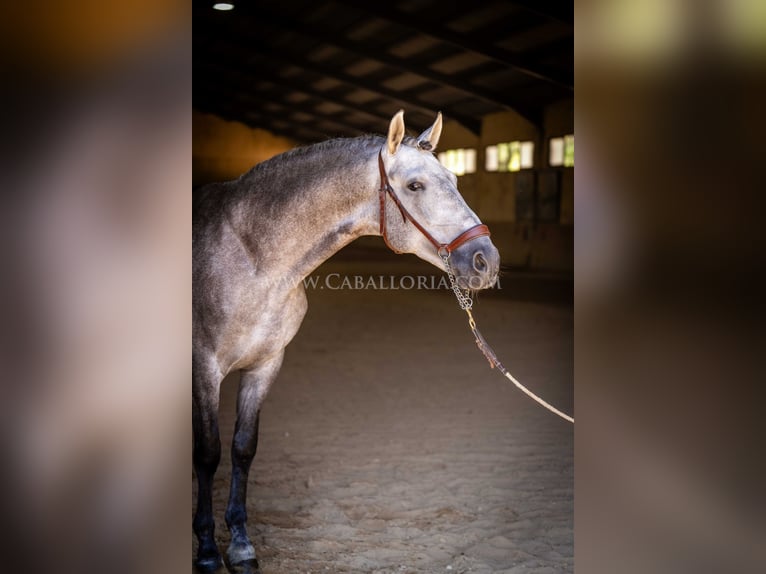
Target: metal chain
x,y
463,297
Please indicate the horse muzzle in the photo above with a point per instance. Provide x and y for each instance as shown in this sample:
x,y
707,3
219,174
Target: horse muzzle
x,y
476,264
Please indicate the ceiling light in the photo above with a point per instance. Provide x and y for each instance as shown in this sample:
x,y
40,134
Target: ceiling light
x,y
223,6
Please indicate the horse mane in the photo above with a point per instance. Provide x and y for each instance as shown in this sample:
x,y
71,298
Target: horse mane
x,y
336,144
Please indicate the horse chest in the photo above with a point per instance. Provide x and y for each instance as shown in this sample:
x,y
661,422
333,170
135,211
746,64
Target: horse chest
x,y
262,328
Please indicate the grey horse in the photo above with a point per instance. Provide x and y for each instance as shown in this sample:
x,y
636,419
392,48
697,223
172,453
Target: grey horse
x,y
254,241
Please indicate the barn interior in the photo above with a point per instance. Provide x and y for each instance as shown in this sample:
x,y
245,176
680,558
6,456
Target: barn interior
x,y
387,444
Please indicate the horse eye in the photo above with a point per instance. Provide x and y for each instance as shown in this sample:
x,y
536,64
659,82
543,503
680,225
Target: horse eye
x,y
415,186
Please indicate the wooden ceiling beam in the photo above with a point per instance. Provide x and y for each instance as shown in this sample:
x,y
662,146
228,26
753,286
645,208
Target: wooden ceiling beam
x,y
472,43
238,82
272,77
273,19
254,47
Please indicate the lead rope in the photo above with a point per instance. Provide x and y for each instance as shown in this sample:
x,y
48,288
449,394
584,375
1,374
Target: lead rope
x,y
466,304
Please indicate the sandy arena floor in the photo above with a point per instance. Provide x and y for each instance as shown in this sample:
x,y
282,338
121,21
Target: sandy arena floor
x,y
387,444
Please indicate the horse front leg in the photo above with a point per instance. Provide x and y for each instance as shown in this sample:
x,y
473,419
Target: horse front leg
x,y
253,386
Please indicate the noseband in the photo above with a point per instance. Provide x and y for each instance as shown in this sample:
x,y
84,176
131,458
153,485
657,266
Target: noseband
x,y
443,249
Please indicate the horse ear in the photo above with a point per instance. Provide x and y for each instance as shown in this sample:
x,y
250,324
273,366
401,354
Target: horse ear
x,y
430,138
395,132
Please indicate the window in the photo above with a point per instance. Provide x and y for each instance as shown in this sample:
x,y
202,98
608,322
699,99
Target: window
x,y
561,151
511,156
459,161
569,151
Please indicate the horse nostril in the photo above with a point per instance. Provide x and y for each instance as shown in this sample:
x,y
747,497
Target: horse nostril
x,y
479,263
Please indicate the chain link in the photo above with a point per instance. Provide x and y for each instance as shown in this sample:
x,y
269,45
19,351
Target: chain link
x,y
463,297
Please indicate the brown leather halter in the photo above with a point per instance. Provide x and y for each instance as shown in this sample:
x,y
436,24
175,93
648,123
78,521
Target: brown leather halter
x,y
443,249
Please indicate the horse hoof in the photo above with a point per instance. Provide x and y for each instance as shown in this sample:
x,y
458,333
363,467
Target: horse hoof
x,y
208,563
241,553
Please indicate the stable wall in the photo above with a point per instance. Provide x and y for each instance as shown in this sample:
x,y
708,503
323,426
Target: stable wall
x,y
223,150
558,120
523,244
454,135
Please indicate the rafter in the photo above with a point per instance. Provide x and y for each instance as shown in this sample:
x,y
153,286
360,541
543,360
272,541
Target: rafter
x,y
404,65
470,43
254,47
230,77
265,121
284,111
272,77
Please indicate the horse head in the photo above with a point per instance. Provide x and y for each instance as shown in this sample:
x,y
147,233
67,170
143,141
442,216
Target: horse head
x,y
435,223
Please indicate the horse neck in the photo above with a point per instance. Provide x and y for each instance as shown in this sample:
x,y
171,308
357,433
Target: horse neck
x,y
326,201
